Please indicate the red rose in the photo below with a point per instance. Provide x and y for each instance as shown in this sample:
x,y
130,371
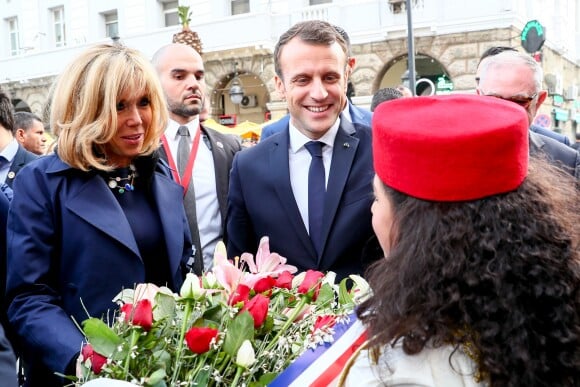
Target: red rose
x,y
323,322
141,315
199,338
97,360
264,284
242,294
311,284
258,308
284,280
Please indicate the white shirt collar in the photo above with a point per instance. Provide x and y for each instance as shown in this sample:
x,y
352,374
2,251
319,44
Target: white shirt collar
x,y
172,126
297,139
346,113
10,150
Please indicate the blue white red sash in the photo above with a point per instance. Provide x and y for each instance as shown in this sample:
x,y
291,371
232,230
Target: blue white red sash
x,y
322,366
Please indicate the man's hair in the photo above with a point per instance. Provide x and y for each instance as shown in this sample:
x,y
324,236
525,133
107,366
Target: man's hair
x,y
491,51
341,31
6,112
494,50
24,120
384,94
316,32
509,58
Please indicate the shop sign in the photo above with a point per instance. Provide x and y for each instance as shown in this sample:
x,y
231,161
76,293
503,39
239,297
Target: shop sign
x,y
533,36
444,85
561,114
228,120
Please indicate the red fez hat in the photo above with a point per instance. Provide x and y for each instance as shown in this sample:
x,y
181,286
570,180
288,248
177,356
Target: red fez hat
x,y
450,147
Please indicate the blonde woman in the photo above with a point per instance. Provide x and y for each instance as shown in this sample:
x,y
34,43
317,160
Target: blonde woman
x,y
100,214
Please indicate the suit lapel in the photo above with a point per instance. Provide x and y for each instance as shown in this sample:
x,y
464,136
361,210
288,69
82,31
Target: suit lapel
x,y
279,170
167,191
18,162
96,204
344,151
221,170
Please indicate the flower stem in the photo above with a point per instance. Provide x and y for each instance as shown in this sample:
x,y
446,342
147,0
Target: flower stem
x,y
134,338
187,313
293,316
237,377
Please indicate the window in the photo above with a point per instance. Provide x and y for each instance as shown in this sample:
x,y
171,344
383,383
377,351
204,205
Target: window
x,y
317,2
170,16
14,35
111,24
58,26
399,6
240,6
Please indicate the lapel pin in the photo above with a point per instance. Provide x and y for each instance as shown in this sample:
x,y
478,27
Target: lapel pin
x,y
219,144
11,175
346,145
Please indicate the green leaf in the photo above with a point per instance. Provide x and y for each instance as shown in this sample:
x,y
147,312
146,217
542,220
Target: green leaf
x,y
344,297
202,378
241,328
264,380
162,358
103,339
156,378
164,306
325,296
214,313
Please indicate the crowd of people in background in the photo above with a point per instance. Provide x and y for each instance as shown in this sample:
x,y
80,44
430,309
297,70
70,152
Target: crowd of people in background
x,y
462,214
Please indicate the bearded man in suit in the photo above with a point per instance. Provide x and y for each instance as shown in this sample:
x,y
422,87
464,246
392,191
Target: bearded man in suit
x,y
203,170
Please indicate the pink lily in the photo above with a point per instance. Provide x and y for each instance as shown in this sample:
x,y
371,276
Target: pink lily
x,y
227,274
266,263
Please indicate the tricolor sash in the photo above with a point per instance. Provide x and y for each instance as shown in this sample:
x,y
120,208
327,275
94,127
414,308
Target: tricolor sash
x,y
322,366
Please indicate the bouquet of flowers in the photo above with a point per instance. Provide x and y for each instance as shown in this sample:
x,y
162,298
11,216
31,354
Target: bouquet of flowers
x,y
240,324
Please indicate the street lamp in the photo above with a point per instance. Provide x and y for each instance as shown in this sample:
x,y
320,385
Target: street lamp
x,y
236,90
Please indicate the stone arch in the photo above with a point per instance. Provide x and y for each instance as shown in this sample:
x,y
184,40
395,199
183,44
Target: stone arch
x,y
251,69
430,73
253,106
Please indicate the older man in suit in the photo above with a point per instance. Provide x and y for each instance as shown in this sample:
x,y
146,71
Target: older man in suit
x,y
517,77
201,167
308,187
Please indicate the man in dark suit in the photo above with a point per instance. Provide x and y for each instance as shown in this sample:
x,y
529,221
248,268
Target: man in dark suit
x,y
517,77
12,155
315,207
12,158
206,163
350,112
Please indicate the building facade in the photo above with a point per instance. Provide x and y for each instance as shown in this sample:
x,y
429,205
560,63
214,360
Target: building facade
x,y
41,36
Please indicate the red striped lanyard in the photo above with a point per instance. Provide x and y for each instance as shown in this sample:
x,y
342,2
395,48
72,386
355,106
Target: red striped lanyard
x,y
186,178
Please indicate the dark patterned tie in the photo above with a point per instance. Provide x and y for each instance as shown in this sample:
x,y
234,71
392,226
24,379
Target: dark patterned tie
x,y
316,191
183,150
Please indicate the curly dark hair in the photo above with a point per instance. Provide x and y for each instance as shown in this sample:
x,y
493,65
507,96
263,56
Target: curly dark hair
x,y
500,274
